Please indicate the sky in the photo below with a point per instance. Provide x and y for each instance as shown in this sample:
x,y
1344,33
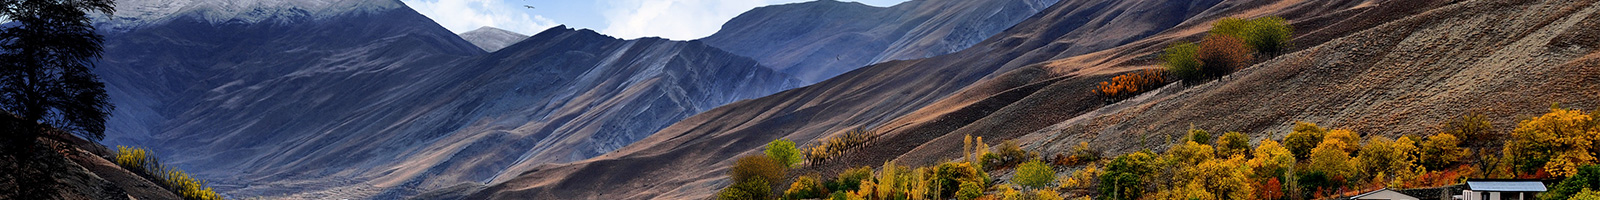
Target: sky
x,y
627,19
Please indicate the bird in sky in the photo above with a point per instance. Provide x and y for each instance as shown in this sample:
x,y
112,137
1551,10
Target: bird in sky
x,y
529,6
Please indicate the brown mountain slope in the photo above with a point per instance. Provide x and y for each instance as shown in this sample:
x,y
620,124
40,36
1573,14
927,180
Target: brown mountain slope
x,y
1508,59
685,160
1037,96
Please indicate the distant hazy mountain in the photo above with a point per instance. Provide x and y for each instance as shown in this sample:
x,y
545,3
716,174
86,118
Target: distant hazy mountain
x,y
821,39
368,99
492,39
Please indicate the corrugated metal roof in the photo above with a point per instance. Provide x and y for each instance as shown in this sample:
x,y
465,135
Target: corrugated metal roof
x,y
1506,186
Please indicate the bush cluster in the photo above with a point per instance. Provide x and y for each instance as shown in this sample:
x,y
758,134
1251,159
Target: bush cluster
x,y
1008,154
1231,45
753,177
140,161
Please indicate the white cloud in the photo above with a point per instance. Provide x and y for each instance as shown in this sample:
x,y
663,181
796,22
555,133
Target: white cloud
x,y
672,19
466,15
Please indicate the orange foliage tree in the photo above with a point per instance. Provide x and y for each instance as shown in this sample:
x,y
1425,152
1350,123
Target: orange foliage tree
x,y
1129,84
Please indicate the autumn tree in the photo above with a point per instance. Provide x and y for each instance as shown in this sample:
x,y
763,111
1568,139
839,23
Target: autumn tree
x,y
1330,158
1439,150
1220,55
1271,160
1387,157
1557,142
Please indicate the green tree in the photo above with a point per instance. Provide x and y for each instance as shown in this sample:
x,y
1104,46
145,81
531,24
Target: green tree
x,y
1588,177
1035,174
1270,35
1123,178
46,53
784,151
970,190
1179,59
1305,136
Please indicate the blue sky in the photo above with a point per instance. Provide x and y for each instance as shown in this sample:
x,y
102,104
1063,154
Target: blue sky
x,y
628,19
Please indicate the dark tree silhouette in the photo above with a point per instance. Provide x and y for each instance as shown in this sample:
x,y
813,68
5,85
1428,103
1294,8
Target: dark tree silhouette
x,y
46,51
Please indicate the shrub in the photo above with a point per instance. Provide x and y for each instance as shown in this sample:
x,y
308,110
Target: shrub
x,y
754,188
1045,195
837,145
1587,194
1199,136
850,179
1305,136
950,175
1035,174
1008,154
1557,142
784,151
754,167
1221,55
1439,150
805,187
1180,60
970,190
1082,178
1080,154
1266,34
140,161
1233,143
1131,84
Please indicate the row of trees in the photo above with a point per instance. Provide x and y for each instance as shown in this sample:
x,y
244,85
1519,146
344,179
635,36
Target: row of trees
x,y
1314,162
1231,44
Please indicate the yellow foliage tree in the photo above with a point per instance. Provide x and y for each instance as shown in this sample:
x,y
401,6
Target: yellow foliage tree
x,y
1191,153
1557,142
1330,157
1271,159
1440,150
1349,138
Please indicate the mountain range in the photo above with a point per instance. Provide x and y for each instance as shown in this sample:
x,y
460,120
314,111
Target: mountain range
x,y
366,99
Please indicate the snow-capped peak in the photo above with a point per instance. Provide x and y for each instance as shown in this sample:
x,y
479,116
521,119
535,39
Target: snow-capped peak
x,y
134,13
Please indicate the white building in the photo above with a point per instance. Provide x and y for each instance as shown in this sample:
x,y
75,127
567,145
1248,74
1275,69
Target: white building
x,y
1501,189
